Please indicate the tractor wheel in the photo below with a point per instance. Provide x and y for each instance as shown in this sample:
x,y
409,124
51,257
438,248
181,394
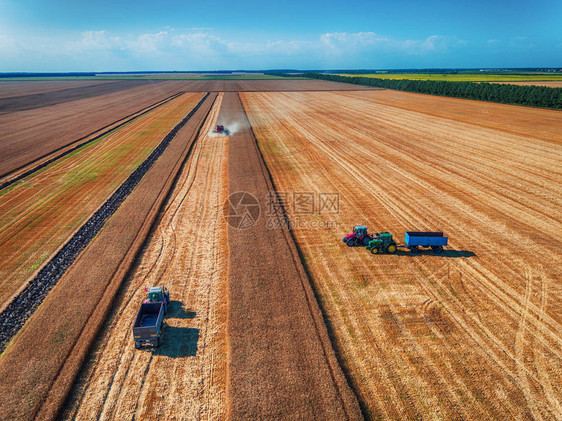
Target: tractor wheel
x,y
351,242
366,241
437,249
391,248
374,250
414,249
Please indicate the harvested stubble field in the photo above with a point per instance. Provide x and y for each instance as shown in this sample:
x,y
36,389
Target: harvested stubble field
x,y
38,368
473,333
186,377
281,361
39,213
48,125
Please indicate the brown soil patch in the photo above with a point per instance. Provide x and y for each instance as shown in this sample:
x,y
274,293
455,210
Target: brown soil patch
x,y
274,85
12,88
473,333
28,135
59,96
52,156
39,366
185,378
42,211
282,365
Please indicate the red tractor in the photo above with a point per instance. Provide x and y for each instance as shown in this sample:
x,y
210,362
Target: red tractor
x,y
358,237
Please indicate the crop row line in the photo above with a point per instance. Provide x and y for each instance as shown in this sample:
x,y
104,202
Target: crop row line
x,y
106,130
28,300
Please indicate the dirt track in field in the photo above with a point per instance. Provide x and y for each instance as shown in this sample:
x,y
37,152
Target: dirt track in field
x,y
282,365
40,213
186,377
474,333
44,358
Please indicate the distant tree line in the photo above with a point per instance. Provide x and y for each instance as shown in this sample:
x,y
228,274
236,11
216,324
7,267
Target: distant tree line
x,y
25,74
532,96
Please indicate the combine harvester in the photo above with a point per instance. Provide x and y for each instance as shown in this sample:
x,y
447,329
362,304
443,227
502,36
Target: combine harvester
x,y
221,130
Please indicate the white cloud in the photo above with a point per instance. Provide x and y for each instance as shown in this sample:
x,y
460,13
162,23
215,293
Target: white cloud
x,y
199,48
351,40
431,44
346,43
7,45
199,42
93,41
147,43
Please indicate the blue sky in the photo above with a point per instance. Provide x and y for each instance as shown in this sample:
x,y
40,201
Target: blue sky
x,y
62,35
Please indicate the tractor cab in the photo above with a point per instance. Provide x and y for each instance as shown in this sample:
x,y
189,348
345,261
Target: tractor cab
x,y
158,295
358,236
155,295
382,242
360,230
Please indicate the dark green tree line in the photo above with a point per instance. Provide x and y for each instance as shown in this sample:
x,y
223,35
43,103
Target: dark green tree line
x,y
532,96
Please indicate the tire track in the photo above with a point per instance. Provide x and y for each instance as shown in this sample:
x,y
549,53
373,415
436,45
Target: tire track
x,y
263,340
28,300
43,213
519,345
112,388
542,365
86,293
408,158
41,162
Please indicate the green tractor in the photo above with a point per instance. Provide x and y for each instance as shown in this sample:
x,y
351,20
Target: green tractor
x,y
382,242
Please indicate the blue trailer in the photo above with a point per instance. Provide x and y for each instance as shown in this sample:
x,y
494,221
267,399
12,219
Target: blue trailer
x,y
416,239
